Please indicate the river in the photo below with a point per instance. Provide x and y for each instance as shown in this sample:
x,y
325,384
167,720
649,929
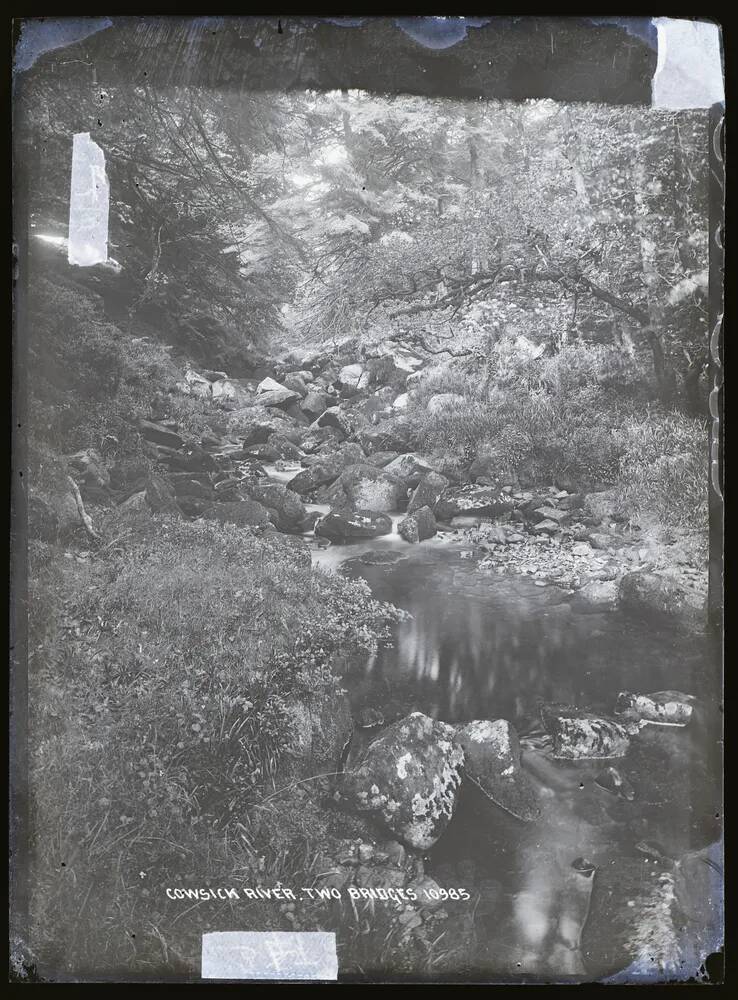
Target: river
x,y
487,647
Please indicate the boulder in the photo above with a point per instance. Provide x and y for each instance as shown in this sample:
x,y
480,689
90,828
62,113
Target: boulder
x,y
409,776
159,434
186,485
268,385
551,514
223,390
409,467
665,708
418,526
296,383
289,509
366,486
336,418
348,527
246,513
314,403
649,595
283,447
197,385
427,492
354,377
492,763
392,435
444,401
317,438
579,735
401,402
316,475
280,398
160,495
597,595
482,501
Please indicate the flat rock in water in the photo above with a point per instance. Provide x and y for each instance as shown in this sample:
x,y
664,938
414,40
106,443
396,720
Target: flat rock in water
x,y
346,527
482,501
492,762
410,777
579,735
613,781
666,708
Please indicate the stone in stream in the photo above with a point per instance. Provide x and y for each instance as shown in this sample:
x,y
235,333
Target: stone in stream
x,y
322,473
369,718
473,500
613,781
418,526
410,777
283,447
665,708
492,763
596,596
366,486
427,492
353,526
579,735
289,509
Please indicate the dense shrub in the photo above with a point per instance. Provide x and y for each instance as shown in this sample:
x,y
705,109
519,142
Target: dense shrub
x,y
161,677
664,469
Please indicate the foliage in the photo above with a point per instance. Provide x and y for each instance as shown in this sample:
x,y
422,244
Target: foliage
x,y
161,680
664,469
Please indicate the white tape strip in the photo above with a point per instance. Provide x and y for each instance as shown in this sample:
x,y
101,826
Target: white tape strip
x,y
689,72
269,955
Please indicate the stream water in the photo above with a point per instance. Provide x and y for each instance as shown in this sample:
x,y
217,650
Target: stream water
x,y
488,647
